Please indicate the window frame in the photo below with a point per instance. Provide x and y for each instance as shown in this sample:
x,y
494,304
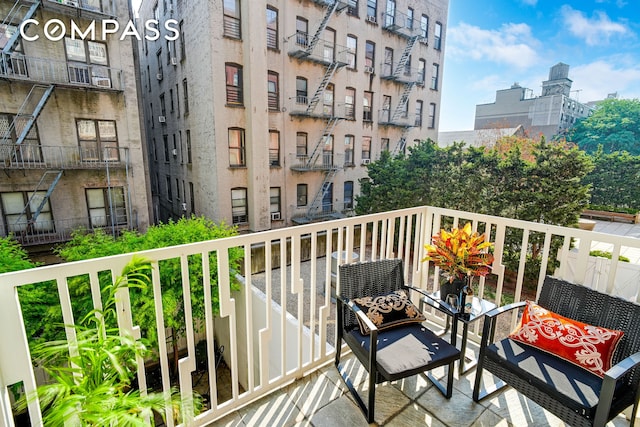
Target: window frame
x,y
240,205
234,84
239,150
232,20
272,29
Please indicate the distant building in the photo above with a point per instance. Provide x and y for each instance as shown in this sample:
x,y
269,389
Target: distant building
x,y
549,114
478,137
71,151
266,113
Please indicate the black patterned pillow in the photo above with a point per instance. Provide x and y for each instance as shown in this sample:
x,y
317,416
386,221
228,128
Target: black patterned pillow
x,y
388,311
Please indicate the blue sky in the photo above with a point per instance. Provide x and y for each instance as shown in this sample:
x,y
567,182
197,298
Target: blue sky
x,y
492,44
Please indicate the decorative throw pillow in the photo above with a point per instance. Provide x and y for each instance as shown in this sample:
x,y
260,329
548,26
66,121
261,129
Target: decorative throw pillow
x,y
388,311
589,347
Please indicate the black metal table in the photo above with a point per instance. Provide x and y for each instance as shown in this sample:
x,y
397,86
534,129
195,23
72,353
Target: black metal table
x,y
478,309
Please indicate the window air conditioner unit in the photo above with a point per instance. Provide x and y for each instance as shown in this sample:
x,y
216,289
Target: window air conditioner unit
x,y
102,81
184,207
162,119
174,60
368,70
159,76
174,152
71,3
366,161
372,19
423,40
275,216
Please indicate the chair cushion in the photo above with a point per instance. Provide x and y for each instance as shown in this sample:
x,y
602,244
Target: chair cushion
x,y
404,351
574,387
589,347
388,311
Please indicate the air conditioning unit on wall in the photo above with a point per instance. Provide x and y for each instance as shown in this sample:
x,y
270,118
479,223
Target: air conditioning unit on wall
x,y
368,69
174,60
275,216
162,119
372,19
366,161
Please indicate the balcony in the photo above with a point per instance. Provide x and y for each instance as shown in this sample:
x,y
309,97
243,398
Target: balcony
x,y
75,75
88,9
404,120
278,329
324,52
45,231
325,161
299,105
400,24
404,75
28,156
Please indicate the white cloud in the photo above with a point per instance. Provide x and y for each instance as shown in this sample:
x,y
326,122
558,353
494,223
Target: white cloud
x,y
600,78
595,31
512,44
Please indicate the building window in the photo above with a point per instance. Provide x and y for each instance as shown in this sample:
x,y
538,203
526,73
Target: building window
x,y
188,146
233,74
407,66
239,208
348,195
367,105
88,62
183,50
352,8
169,190
106,206
273,91
177,189
165,139
372,9
327,151
387,64
171,104
236,147
432,116
274,148
301,144
327,197
437,36
352,51
177,101
435,69
390,14
231,19
20,210
348,150
274,200
163,106
185,96
98,140
160,74
369,54
302,32
385,113
329,45
384,144
422,66
192,197
366,148
272,28
350,103
301,195
301,91
424,27
29,149
409,24
327,100
418,121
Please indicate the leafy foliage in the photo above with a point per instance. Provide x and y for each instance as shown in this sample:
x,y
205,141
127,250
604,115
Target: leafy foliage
x,y
520,178
13,257
92,378
614,182
614,124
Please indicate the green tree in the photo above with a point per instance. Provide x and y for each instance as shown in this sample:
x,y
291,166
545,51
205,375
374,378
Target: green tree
x,y
614,181
186,230
614,124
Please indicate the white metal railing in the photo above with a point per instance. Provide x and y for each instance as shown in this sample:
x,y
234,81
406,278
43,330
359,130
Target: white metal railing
x,y
279,327
32,156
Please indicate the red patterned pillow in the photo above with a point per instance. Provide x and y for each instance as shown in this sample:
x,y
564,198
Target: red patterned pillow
x,y
589,347
388,311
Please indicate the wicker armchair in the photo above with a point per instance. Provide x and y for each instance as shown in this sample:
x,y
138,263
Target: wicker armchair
x,y
396,353
574,395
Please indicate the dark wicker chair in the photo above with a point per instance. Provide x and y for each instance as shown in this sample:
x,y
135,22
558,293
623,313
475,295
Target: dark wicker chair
x,y
574,395
397,353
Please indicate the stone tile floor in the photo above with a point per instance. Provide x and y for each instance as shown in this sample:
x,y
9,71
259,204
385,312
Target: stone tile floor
x,y
322,400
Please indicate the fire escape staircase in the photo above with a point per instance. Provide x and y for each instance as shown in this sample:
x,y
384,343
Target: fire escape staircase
x,y
406,54
402,143
316,204
317,150
402,104
330,9
49,179
20,11
326,79
25,118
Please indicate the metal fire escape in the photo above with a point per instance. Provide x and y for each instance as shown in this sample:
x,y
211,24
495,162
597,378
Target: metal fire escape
x,y
313,163
19,12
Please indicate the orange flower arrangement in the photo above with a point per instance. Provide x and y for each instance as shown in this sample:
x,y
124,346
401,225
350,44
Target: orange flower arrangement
x,y
460,253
